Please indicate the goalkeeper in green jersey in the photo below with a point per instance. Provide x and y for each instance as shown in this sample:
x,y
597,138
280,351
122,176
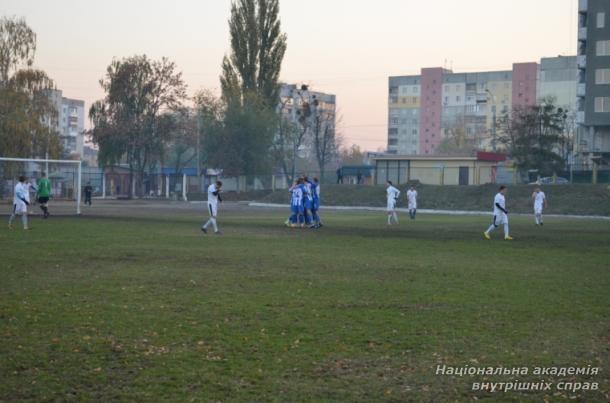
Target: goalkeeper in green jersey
x,y
44,192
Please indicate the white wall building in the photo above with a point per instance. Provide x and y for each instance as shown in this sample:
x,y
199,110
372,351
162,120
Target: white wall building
x,y
70,122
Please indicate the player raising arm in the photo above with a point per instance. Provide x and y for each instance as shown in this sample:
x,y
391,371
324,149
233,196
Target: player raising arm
x,y
539,199
500,214
392,194
213,200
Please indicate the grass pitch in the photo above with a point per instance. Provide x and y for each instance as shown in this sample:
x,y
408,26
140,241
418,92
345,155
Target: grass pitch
x,y
149,309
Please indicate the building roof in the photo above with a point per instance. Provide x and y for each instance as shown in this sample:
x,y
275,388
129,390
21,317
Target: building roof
x,y
479,156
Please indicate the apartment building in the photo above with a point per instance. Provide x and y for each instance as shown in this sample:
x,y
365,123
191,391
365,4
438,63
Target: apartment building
x,y
593,90
70,123
423,109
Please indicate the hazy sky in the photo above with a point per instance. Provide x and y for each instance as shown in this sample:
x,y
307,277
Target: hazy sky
x,y
348,48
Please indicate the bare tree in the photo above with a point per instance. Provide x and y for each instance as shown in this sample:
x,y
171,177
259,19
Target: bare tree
x,y
283,146
323,136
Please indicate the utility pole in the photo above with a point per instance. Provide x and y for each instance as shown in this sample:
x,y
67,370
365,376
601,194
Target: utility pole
x,y
198,146
493,128
493,119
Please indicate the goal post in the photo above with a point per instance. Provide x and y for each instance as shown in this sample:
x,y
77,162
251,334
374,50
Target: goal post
x,y
65,176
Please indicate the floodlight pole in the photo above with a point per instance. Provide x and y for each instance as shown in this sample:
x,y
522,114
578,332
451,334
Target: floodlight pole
x,y
80,167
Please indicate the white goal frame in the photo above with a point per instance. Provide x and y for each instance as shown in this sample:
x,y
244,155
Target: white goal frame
x,y
79,164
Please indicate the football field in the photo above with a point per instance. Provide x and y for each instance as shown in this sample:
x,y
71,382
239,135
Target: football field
x,y
137,304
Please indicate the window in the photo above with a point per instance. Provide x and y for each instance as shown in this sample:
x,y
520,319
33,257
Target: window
x,y
457,99
601,20
602,48
602,104
414,131
392,142
602,76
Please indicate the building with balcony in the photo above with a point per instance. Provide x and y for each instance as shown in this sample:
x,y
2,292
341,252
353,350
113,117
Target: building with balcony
x,y
308,109
593,88
424,109
70,123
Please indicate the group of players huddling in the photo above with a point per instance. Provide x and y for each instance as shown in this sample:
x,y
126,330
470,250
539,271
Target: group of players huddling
x,y
304,203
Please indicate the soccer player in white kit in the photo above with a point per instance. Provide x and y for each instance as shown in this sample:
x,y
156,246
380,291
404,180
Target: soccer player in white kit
x,y
392,194
500,214
539,199
21,201
213,200
412,201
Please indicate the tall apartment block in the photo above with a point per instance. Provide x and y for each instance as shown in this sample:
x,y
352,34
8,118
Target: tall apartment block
x,y
424,108
70,123
593,116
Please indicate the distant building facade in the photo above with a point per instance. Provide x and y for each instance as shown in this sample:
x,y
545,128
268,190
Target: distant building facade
x,y
424,108
293,99
89,156
593,90
70,123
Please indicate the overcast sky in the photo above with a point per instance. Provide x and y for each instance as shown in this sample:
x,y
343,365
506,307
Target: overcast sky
x,y
345,47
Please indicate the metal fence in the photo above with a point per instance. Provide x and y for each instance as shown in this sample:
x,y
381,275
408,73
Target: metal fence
x,y
63,178
116,183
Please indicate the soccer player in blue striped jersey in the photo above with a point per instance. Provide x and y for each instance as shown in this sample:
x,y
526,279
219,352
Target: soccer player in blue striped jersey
x,y
307,200
315,209
296,203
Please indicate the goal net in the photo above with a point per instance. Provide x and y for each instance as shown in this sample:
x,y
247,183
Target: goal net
x,y
64,176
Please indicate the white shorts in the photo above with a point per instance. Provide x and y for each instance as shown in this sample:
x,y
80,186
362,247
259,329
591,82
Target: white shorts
x,y
212,209
412,206
538,209
391,205
20,208
500,219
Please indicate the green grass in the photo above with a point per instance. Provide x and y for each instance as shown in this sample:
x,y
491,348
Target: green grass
x,y
149,309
